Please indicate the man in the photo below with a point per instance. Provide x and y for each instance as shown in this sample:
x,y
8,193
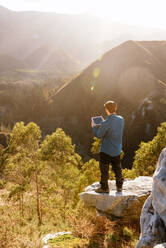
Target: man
x,y
110,132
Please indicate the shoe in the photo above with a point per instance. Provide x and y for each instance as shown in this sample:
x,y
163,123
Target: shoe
x,y
100,190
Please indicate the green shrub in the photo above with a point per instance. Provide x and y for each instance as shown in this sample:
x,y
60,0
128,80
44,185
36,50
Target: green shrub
x,y
147,155
127,232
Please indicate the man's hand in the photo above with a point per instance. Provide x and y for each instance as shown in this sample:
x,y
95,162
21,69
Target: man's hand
x,y
92,124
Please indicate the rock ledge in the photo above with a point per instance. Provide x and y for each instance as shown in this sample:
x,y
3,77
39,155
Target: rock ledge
x,y
127,203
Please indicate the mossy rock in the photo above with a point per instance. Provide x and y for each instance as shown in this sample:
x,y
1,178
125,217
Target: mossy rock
x,y
67,240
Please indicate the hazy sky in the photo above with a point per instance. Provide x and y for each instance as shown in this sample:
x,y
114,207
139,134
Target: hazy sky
x,y
140,12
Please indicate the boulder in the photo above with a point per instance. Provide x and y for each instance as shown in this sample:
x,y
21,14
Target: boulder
x,y
127,203
153,215
160,246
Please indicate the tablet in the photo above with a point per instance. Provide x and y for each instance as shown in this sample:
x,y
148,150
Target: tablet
x,y
97,120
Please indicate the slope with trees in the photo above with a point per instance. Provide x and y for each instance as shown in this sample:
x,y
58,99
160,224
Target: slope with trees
x,y
40,185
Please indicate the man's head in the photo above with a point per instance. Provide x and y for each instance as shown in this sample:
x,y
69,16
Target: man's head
x,y
110,107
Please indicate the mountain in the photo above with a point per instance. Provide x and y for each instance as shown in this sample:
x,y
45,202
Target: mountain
x,y
9,63
52,41
134,75
49,57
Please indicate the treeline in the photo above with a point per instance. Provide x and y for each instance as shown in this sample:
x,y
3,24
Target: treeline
x,y
30,100
27,101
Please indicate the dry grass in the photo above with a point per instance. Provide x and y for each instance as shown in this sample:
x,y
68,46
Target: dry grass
x,y
89,230
102,232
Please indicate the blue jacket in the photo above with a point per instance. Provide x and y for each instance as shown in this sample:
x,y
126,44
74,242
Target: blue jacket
x,y
110,132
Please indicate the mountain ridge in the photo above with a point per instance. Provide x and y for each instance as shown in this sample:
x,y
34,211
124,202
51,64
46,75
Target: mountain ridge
x,y
127,74
24,32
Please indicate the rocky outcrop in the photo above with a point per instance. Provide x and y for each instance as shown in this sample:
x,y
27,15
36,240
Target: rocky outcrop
x,y
153,216
160,246
127,203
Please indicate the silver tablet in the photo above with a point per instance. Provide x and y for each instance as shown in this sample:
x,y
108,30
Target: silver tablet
x,y
97,120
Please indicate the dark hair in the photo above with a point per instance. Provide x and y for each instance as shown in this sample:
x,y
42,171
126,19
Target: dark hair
x,y
111,106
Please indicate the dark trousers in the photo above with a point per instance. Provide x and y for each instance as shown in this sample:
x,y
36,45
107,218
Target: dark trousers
x,y
104,162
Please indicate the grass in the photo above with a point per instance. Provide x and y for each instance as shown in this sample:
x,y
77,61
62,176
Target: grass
x,y
88,230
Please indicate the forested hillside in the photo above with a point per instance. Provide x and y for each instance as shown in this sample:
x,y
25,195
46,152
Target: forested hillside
x,y
40,183
132,74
